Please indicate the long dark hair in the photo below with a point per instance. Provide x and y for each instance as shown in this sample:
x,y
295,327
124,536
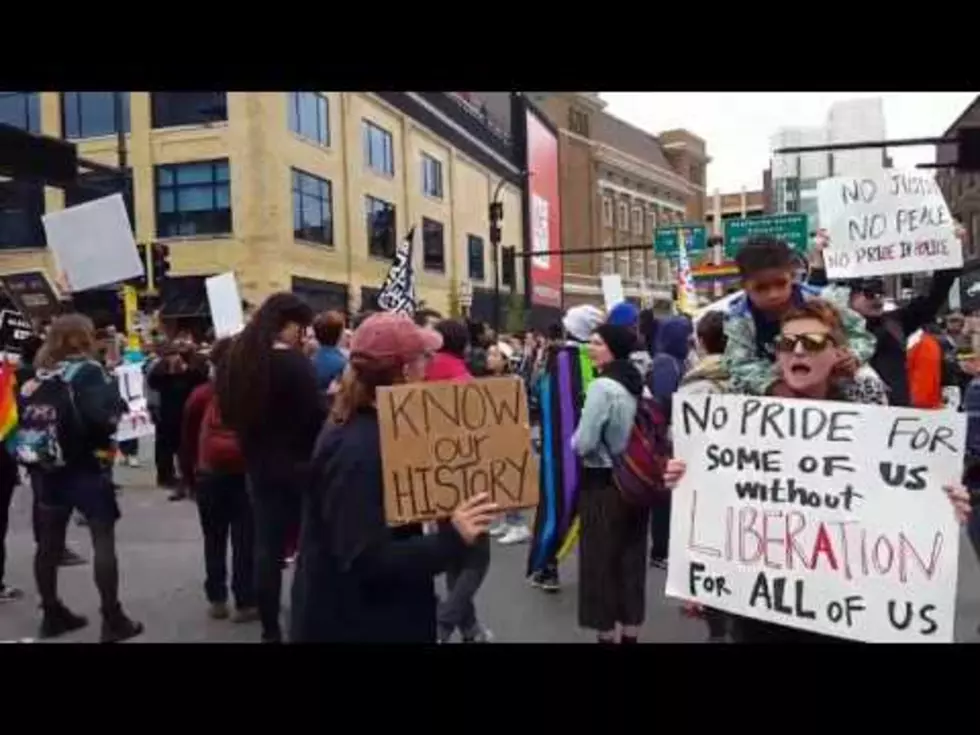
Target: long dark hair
x,y
243,386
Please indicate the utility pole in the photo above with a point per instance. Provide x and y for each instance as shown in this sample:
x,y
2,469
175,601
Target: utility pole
x,y
496,216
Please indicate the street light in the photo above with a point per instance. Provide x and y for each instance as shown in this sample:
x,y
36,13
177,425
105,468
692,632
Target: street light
x,y
496,215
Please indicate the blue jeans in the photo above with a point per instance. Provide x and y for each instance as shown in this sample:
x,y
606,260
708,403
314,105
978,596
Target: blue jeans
x,y
514,518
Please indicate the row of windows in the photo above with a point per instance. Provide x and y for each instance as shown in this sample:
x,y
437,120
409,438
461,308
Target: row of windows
x,y
632,220
638,266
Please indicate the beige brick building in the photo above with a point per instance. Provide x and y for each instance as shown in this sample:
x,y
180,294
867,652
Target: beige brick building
x,y
302,191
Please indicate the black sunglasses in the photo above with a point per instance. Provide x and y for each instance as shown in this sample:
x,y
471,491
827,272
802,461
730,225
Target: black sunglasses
x,y
812,343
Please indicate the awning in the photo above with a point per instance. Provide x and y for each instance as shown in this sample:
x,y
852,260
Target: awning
x,y
184,297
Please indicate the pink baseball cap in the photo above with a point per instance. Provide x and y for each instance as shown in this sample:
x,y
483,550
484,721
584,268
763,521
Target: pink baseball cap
x,y
387,340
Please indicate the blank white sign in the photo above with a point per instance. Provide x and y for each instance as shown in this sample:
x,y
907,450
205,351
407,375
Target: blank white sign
x,y
226,305
93,243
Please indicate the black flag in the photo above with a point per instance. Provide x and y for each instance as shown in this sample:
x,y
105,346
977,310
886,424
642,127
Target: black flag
x,y
398,292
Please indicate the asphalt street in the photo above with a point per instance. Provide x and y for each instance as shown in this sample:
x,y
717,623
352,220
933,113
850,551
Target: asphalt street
x,y
161,567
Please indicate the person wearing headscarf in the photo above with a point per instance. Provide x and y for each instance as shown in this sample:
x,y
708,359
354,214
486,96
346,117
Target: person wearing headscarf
x,y
612,547
561,392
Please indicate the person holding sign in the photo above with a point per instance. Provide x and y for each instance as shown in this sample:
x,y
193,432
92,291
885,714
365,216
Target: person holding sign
x,y
811,344
357,580
767,269
612,551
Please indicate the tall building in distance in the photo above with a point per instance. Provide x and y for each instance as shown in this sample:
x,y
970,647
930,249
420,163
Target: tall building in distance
x,y
298,191
792,177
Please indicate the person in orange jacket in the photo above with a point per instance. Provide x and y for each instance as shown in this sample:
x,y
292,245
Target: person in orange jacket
x,y
924,363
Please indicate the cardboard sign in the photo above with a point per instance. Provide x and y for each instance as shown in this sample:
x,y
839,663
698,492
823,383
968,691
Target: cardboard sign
x,y
31,293
137,421
93,243
818,515
445,442
14,331
897,222
226,305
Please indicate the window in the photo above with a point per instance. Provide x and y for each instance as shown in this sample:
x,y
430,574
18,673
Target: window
x,y
638,267
607,211
187,108
193,199
624,224
637,221
309,116
623,265
696,175
21,208
379,153
652,221
380,227
474,249
312,208
95,185
90,114
578,122
608,263
431,176
21,110
433,250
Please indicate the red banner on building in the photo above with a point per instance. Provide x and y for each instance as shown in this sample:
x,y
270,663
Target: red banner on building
x,y
544,204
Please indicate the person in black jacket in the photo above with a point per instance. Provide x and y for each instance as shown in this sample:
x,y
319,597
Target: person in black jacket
x,y
357,580
891,329
81,481
268,395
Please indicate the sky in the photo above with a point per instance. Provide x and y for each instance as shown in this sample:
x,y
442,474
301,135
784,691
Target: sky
x,y
736,126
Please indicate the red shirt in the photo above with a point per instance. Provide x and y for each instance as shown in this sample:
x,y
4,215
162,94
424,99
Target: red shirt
x,y
190,429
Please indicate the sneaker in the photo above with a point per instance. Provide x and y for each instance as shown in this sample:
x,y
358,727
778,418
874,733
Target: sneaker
x,y
59,620
116,627
482,635
499,530
132,462
245,615
176,496
9,594
218,611
516,535
70,559
546,581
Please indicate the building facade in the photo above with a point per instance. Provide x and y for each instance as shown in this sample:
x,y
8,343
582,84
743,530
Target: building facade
x,y
618,184
301,191
736,205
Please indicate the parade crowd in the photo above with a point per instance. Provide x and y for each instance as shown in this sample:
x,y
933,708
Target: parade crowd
x,y
274,434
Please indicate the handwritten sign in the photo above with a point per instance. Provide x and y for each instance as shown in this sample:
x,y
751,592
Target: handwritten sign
x,y
225,302
445,442
14,331
31,293
818,515
897,222
136,422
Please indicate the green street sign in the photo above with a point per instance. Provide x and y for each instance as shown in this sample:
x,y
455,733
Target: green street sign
x,y
793,228
665,240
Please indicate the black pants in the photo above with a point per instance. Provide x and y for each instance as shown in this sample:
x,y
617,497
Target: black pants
x,y
6,496
660,528
57,496
276,509
226,513
165,458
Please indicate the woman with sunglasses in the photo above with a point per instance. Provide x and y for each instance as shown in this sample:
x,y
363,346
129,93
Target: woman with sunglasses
x,y
808,348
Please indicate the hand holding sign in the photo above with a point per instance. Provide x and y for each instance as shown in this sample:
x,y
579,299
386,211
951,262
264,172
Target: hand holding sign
x,y
472,519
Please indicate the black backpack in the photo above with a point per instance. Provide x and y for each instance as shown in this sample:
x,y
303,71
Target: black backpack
x,y
50,433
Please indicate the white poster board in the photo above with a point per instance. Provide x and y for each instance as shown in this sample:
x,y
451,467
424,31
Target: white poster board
x,y
136,422
612,290
824,516
896,222
226,305
93,243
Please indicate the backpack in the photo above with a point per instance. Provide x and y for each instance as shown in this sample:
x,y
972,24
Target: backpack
x,y
638,472
218,447
51,430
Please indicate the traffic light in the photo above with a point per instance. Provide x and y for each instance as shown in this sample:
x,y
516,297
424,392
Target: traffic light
x,y
161,263
142,282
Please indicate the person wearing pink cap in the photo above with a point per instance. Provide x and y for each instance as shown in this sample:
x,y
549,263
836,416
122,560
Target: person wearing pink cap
x,y
357,580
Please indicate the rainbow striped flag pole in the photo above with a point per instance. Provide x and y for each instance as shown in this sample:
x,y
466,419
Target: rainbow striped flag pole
x,y
687,299
8,400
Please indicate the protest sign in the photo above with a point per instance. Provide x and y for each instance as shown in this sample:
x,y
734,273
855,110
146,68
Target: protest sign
x,y
824,516
136,422
612,290
896,222
93,243
14,331
226,305
31,293
445,442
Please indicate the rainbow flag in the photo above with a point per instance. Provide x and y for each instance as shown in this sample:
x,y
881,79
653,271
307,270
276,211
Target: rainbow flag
x,y
8,401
